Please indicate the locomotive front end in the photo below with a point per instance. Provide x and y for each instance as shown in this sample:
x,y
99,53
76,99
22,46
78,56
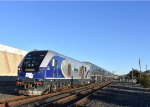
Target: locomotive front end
x,y
30,75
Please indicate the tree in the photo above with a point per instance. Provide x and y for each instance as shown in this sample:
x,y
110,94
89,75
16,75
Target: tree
x,y
136,74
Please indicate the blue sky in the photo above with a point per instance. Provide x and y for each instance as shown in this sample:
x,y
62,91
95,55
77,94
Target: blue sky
x,y
113,35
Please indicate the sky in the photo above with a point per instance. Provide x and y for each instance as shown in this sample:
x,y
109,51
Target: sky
x,y
111,34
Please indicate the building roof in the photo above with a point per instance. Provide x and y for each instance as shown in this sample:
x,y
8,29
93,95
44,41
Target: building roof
x,y
12,50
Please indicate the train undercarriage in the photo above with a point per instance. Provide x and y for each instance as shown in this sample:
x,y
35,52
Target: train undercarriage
x,y
43,87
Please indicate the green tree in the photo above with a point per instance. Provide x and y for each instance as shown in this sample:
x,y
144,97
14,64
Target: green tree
x,y
145,80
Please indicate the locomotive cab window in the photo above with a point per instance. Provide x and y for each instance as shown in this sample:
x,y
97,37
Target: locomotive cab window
x,y
33,60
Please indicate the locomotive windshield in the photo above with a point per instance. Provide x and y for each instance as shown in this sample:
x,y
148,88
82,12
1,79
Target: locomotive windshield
x,y
33,60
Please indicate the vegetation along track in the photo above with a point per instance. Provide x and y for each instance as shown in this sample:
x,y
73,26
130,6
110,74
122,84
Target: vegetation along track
x,y
71,96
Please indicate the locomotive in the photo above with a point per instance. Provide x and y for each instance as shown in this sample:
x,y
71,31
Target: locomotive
x,y
45,70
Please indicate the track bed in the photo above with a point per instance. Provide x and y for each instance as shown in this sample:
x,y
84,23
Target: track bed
x,y
67,97
7,91
121,94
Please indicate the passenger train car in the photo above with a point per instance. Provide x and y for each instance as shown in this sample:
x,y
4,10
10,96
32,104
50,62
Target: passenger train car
x,y
46,70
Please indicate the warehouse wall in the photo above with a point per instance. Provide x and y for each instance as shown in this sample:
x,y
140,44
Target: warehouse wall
x,y
9,60
9,63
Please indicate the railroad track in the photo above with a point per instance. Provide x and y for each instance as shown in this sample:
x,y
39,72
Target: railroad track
x,y
79,99
70,97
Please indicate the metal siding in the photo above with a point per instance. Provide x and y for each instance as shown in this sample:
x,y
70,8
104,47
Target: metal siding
x,y
77,65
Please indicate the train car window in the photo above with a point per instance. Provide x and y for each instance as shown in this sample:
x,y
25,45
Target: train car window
x,y
75,70
33,60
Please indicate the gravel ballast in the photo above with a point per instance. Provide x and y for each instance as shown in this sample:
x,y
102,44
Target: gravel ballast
x,y
121,94
7,91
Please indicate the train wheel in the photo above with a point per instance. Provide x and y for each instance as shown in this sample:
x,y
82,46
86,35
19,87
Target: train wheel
x,y
61,85
53,88
48,90
69,84
25,86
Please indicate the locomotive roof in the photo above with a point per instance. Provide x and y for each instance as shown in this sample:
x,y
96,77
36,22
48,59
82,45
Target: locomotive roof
x,y
58,54
89,63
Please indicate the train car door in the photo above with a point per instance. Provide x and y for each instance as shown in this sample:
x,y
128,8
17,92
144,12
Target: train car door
x,y
69,70
81,72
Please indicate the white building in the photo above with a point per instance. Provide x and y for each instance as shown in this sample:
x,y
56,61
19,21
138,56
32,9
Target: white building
x,y
9,59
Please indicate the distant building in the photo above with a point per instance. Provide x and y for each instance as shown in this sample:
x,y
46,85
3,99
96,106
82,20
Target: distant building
x,y
116,76
146,72
9,59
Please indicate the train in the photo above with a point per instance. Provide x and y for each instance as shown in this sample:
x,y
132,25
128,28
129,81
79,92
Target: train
x,y
46,71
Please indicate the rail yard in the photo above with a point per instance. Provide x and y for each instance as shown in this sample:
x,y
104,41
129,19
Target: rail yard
x,y
76,96
47,78
106,94
74,53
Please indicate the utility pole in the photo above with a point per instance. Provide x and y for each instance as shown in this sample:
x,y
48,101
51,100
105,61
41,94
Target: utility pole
x,y
132,74
140,69
146,67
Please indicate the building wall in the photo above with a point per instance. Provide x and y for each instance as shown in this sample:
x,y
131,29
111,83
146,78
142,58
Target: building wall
x,y
9,60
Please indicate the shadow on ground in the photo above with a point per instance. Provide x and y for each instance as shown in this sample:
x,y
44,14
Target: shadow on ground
x,y
8,85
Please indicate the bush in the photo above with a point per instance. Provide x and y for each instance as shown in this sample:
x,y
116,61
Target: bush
x,y
145,81
138,80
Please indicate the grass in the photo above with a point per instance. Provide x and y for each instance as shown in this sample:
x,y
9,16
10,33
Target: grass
x,y
145,81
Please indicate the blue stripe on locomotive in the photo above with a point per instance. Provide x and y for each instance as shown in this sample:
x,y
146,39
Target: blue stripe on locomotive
x,y
36,75
55,71
47,72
